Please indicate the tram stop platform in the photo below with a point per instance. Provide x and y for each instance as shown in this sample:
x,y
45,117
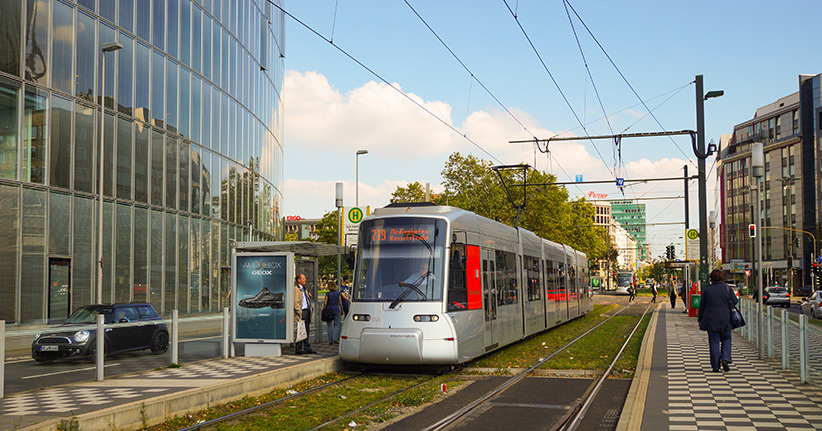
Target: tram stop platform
x,y
674,387
123,402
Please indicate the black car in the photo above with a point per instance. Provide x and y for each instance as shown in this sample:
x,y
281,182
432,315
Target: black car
x,y
128,327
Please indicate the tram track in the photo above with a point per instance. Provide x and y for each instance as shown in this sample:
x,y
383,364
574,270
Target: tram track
x,y
443,424
576,411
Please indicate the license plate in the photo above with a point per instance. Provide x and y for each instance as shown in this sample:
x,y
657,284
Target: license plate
x,y
49,348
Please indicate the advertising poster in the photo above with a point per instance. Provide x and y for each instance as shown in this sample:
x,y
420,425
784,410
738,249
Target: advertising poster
x,y
262,295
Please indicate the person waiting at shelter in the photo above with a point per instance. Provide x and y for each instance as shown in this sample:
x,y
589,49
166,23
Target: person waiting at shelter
x,y
332,302
302,311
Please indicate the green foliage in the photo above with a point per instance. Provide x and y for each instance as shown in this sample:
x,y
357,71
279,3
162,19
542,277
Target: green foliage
x,y
327,230
414,192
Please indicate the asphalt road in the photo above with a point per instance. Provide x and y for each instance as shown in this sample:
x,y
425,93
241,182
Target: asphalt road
x,y
25,374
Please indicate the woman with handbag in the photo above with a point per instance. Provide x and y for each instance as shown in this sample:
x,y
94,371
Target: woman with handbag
x,y
715,317
332,308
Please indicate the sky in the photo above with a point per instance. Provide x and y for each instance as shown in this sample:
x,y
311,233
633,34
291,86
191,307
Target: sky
x,y
545,75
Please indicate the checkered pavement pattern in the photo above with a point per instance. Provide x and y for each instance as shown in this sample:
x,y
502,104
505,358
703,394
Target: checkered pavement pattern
x,y
755,395
90,396
814,346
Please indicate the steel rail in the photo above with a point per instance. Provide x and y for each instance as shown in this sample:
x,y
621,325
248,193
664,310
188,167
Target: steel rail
x,y
454,417
578,412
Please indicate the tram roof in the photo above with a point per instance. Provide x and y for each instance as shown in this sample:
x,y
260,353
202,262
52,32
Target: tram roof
x,y
301,248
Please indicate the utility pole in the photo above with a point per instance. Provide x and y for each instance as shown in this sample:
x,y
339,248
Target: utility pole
x,y
687,206
703,200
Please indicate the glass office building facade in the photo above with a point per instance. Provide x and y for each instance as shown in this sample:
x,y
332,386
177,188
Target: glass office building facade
x,y
192,150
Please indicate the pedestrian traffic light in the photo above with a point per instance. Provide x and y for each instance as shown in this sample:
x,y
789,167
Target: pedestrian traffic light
x,y
752,230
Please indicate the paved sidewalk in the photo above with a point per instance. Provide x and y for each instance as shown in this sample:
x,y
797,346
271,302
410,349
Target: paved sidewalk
x,y
207,379
684,394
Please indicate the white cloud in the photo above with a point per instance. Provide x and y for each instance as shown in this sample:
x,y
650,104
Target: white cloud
x,y
311,199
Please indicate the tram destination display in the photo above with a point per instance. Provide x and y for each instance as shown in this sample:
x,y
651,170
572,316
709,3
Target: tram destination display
x,y
261,296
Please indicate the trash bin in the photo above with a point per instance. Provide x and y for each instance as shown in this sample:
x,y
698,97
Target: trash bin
x,y
694,309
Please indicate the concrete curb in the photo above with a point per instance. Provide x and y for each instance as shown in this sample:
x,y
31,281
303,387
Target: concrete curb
x,y
158,410
630,418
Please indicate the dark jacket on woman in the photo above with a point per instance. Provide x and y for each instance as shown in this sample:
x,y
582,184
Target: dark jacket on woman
x,y
715,307
333,298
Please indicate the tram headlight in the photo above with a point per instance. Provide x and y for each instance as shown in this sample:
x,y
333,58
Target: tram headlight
x,y
362,317
426,318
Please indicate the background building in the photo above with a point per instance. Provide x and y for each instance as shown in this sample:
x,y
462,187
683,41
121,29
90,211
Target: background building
x,y
303,228
790,195
192,160
631,216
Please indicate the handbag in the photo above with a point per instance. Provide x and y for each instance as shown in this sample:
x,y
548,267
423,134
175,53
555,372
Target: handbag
x,y
302,334
327,315
737,321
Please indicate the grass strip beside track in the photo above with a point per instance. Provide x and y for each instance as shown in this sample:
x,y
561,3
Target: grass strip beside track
x,y
304,413
626,365
597,350
525,353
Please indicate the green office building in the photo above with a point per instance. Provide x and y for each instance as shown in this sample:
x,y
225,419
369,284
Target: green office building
x,y
631,216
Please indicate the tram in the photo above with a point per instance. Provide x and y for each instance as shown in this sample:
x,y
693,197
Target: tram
x,y
624,280
438,285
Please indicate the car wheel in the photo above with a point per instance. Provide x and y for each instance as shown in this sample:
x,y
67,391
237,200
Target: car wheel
x,y
92,350
159,344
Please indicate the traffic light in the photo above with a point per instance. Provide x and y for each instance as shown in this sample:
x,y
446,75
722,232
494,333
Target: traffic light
x,y
668,253
752,230
816,270
673,252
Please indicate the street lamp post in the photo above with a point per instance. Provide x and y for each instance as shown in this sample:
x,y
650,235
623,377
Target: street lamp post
x,y
357,179
758,171
106,47
701,156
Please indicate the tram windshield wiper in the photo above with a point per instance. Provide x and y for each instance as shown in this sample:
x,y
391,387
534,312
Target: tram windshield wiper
x,y
406,292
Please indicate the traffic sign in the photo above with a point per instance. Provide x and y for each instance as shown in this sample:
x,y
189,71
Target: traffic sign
x,y
351,224
692,244
620,182
579,178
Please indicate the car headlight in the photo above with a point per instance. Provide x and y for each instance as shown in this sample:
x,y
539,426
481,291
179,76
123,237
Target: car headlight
x,y
81,336
37,336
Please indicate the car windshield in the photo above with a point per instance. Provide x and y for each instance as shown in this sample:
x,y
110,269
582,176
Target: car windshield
x,y
777,290
400,259
86,315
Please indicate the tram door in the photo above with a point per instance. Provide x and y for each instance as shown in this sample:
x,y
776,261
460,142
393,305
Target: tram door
x,y
489,289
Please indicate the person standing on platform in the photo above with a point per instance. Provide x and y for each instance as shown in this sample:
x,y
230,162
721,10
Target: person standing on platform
x,y
302,311
345,293
715,318
672,295
332,302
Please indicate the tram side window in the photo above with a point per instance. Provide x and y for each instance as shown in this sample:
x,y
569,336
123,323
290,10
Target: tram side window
x,y
562,293
506,277
532,276
572,281
457,286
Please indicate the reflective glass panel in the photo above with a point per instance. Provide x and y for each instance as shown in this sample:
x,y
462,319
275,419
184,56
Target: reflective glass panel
x,y
126,14
158,96
205,181
171,173
60,143
142,82
171,263
124,151
157,159
172,26
9,231
10,33
33,250
82,259
35,134
108,156
141,166
141,250
37,42
62,75
84,148
171,95
122,257
158,39
185,32
185,101
184,176
143,12
107,34
86,50
196,104
125,75
155,287
196,38
183,286
206,136
108,10
196,166
215,71
206,46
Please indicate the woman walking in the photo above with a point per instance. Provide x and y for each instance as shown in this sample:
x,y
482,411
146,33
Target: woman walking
x,y
715,317
332,302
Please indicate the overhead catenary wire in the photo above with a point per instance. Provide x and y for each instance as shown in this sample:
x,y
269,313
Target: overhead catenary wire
x,y
608,56
556,84
378,76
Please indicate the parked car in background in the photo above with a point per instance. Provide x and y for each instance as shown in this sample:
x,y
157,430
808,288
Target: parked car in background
x,y
776,296
811,305
129,327
734,288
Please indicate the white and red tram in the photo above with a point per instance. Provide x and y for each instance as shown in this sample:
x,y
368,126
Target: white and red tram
x,y
440,285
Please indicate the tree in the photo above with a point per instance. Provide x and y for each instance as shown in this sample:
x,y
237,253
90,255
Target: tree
x,y
413,192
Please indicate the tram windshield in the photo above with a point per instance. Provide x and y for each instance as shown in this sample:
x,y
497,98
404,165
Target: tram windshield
x,y
400,259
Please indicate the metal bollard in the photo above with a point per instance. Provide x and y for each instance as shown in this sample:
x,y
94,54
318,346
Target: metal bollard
x,y
100,351
785,328
803,349
770,332
750,319
2,356
174,337
225,333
